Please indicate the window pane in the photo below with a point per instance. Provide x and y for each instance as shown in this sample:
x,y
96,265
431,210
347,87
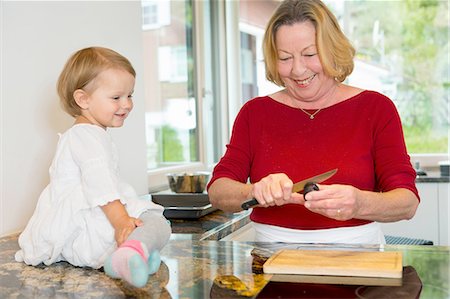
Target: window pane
x,y
402,51
171,120
253,18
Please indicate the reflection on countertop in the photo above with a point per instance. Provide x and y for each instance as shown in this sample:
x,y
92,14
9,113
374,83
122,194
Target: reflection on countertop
x,y
213,226
196,265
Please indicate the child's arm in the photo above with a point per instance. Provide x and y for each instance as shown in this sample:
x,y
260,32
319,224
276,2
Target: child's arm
x,y
118,217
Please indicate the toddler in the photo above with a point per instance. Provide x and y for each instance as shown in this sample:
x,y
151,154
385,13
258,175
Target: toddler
x,y
87,215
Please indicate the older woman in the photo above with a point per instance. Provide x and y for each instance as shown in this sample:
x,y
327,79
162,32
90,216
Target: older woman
x,y
316,123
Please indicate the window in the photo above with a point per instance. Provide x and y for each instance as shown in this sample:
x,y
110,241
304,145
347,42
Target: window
x,y
171,124
175,56
203,60
155,14
402,52
253,17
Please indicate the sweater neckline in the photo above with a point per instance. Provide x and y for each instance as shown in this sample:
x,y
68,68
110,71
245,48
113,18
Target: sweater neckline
x,y
354,97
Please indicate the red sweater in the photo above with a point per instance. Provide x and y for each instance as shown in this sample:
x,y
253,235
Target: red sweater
x,y
361,136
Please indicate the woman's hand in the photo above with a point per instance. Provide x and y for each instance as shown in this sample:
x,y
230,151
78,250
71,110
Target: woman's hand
x,y
275,190
124,226
334,201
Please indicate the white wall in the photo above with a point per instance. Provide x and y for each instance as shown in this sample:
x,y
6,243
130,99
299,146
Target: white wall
x,y
36,39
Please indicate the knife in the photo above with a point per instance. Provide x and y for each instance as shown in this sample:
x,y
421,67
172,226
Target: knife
x,y
308,185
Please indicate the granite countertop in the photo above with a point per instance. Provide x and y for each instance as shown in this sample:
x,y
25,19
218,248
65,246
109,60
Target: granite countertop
x,y
213,226
197,265
61,280
193,268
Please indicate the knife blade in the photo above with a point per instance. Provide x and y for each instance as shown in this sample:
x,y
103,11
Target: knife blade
x,y
297,187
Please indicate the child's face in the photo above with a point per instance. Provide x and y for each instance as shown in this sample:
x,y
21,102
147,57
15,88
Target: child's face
x,y
110,100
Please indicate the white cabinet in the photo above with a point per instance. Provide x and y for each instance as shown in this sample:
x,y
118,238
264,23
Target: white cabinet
x,y
431,219
444,214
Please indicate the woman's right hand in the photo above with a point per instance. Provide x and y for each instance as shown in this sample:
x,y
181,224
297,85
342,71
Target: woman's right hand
x,y
275,190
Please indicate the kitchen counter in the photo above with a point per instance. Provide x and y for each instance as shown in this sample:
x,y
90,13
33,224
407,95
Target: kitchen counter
x,y
213,226
194,267
432,178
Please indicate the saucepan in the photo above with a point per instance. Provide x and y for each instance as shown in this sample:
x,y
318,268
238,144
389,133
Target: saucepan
x,y
188,182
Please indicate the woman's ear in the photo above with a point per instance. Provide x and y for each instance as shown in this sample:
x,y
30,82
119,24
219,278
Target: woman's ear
x,y
81,98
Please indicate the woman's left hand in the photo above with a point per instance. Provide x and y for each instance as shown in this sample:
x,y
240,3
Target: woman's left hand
x,y
334,201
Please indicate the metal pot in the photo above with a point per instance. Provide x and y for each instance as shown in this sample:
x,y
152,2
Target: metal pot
x,y
188,182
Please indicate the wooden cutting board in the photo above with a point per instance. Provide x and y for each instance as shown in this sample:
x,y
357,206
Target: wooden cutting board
x,y
336,263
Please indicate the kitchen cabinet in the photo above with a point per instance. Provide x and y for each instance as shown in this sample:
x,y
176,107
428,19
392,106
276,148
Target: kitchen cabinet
x,y
444,214
431,219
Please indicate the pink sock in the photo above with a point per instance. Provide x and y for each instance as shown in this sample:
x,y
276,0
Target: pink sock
x,y
129,262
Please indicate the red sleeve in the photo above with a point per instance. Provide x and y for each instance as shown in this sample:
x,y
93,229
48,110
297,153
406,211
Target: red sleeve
x,y
392,163
235,164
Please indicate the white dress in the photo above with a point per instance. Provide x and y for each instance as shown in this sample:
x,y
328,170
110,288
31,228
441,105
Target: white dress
x,y
68,223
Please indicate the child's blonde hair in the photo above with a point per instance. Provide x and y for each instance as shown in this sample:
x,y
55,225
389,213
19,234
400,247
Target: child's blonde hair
x,y
83,67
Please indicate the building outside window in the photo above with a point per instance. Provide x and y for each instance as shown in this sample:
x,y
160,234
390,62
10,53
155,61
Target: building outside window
x,y
171,109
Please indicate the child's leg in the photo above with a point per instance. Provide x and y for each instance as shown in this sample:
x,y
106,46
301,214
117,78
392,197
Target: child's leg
x,y
154,234
138,257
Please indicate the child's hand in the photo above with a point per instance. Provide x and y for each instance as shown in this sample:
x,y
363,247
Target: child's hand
x,y
122,223
124,226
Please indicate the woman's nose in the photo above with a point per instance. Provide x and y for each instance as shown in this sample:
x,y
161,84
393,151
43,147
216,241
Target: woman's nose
x,y
298,66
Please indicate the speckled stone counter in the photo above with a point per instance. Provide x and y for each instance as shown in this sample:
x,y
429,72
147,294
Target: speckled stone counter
x,y
217,269
213,226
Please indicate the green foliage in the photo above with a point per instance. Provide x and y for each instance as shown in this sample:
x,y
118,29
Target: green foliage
x,y
414,48
193,145
172,149
423,140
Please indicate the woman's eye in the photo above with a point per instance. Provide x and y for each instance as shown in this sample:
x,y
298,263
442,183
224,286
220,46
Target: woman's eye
x,y
116,98
284,58
310,55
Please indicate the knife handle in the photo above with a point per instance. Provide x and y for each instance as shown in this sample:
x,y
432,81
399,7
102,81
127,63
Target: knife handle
x,y
249,204
309,187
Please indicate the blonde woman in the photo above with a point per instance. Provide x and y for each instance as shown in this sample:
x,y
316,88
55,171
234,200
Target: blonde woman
x,y
314,124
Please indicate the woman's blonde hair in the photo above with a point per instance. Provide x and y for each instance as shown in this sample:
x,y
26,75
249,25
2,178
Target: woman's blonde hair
x,y
335,50
83,67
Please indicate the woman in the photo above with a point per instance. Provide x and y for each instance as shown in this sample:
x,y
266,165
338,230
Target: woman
x,y
316,123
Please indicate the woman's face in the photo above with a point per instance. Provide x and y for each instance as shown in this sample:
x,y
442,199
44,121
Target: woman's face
x,y
298,63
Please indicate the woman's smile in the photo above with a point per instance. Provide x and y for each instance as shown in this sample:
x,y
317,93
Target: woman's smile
x,y
305,82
